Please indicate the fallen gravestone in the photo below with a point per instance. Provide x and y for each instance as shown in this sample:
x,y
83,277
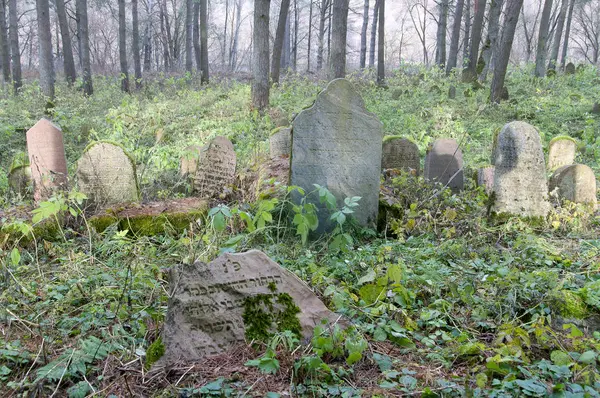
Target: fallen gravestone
x,y
444,164
226,302
485,179
280,142
561,152
576,183
216,168
570,69
19,175
106,174
520,181
47,159
336,143
400,153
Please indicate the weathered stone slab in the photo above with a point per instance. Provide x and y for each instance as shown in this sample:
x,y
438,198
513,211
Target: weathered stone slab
x,y
485,179
106,174
47,159
211,307
280,142
576,183
19,175
520,180
400,153
561,152
570,69
216,168
444,164
336,143
189,161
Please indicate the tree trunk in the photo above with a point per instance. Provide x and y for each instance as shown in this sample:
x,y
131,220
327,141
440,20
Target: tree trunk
x,y
324,6
440,40
14,44
236,34
204,40
279,38
45,48
491,42
148,39
189,28
123,48
560,24
513,7
363,36
540,53
196,36
4,46
467,34
453,54
164,30
381,46
135,45
84,45
260,39
337,59
286,50
563,58
310,25
69,61
295,46
373,34
470,72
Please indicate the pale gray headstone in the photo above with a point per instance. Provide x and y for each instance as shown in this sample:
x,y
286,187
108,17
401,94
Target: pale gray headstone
x,y
400,153
561,152
576,183
106,174
206,308
216,168
485,179
520,182
280,142
444,164
336,143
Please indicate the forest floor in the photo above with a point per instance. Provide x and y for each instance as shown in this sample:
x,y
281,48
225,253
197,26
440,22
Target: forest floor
x,y
443,300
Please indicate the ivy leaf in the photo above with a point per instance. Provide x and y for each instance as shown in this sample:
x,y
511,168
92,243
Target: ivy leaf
x,y
15,256
588,357
394,273
368,277
219,221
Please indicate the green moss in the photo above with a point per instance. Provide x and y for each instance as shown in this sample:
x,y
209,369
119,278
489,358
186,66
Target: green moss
x,y
151,225
48,230
392,137
154,352
568,304
20,160
265,314
278,129
562,137
100,223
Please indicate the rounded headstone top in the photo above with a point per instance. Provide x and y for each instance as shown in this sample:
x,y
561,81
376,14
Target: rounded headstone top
x,y
561,152
575,182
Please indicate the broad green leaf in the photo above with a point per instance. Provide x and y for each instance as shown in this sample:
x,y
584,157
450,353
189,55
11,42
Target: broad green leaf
x,y
394,273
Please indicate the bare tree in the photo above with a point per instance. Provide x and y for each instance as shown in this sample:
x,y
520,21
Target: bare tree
x,y
558,34
84,45
467,33
587,32
453,53
420,23
68,60
260,84
14,44
470,72
189,28
491,43
196,35
279,39
442,27
363,35
204,40
513,7
4,46
540,54
374,34
47,76
563,58
339,30
310,27
325,6
381,45
135,44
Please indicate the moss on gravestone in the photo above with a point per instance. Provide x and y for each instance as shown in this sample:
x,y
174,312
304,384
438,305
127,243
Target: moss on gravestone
x,y
563,137
154,352
568,304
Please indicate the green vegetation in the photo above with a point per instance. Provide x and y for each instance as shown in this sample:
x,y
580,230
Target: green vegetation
x,y
442,301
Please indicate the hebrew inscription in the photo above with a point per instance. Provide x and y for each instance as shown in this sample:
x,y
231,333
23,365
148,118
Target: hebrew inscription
x,y
215,169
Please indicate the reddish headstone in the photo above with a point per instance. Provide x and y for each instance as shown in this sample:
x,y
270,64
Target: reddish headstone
x,y
47,159
444,164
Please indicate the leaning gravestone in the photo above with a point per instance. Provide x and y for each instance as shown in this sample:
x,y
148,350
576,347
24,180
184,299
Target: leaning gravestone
x,y
106,174
214,306
19,175
216,168
336,143
561,152
280,142
485,179
444,164
520,179
400,153
47,159
576,183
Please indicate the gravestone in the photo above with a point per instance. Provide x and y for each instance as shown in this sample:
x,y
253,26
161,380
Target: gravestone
x,y
485,179
570,69
400,153
280,142
216,168
47,159
444,164
596,108
205,315
561,152
188,164
19,175
336,143
520,179
452,92
576,183
106,174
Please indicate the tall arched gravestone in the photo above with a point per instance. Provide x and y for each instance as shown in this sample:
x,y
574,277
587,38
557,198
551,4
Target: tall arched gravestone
x,y
561,152
400,153
106,174
520,178
444,164
47,159
216,168
336,143
576,183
